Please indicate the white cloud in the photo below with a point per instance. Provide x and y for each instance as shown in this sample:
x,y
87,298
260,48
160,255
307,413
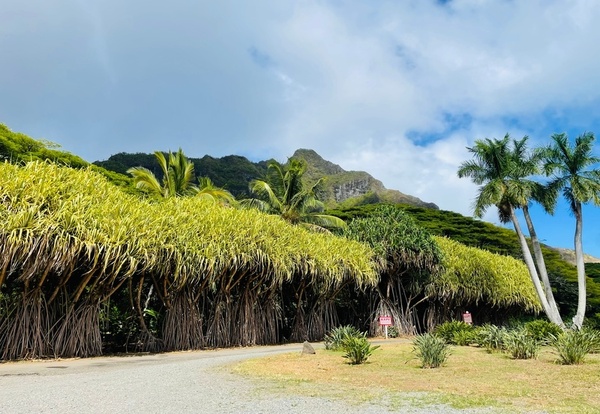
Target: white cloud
x,y
398,89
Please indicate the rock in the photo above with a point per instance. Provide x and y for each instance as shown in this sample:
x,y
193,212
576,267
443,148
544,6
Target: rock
x,y
307,348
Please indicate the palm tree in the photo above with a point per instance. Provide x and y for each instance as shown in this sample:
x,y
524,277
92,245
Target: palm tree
x,y
178,177
178,174
568,166
283,194
208,190
502,174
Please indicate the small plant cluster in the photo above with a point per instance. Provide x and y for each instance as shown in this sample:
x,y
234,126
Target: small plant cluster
x,y
432,350
523,341
573,346
354,343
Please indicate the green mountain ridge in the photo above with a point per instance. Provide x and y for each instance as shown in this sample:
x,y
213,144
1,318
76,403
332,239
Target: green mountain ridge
x,y
340,188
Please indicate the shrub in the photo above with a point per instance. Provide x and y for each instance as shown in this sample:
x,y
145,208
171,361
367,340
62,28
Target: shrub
x,y
573,346
358,349
542,330
432,350
491,337
393,332
338,336
448,330
520,345
464,338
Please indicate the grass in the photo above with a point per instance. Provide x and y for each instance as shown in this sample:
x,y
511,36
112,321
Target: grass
x,y
471,378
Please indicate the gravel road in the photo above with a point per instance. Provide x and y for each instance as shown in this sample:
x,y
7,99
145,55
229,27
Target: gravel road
x,y
180,382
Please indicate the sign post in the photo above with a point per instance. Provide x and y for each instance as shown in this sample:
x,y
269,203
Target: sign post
x,y
467,318
385,321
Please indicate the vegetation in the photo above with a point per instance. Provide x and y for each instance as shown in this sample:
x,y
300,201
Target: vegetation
x,y
482,235
491,337
408,258
470,379
177,180
542,330
503,171
480,281
572,346
73,245
452,330
357,349
569,167
284,193
520,344
18,148
337,337
352,342
431,350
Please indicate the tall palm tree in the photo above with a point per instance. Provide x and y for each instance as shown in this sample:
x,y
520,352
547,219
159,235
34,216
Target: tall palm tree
x,y
283,193
178,175
569,166
502,173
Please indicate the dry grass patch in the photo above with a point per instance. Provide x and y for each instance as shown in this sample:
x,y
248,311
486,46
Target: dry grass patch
x,y
470,378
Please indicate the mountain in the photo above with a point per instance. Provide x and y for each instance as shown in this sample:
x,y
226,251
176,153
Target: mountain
x,y
351,188
568,255
340,188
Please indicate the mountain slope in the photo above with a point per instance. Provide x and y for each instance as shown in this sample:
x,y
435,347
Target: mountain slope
x,y
234,173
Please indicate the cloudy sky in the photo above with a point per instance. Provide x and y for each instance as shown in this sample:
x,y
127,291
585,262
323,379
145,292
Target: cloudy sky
x,y
396,88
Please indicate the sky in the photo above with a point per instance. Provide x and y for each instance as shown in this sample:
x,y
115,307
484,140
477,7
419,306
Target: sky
x,y
398,88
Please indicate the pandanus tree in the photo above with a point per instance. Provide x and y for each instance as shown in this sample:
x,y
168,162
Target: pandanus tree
x,y
568,166
409,259
71,242
284,193
502,171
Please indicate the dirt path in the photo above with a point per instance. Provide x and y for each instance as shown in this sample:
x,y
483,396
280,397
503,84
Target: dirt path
x,y
180,382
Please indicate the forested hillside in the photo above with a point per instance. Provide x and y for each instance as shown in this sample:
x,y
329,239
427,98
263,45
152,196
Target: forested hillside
x,y
234,173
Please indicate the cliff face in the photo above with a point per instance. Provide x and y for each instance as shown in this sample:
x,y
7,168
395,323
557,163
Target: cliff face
x,y
350,187
355,188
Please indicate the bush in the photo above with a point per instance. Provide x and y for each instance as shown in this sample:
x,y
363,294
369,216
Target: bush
x,y
338,336
542,330
432,350
358,349
464,338
520,345
393,332
448,331
491,337
573,346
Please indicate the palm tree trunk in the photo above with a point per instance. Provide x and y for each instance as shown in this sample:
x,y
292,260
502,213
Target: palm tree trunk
x,y
541,267
553,316
578,318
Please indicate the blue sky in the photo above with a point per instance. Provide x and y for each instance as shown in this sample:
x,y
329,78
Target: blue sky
x,y
396,88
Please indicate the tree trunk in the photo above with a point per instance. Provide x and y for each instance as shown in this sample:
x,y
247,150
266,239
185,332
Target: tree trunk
x,y
553,316
578,318
541,267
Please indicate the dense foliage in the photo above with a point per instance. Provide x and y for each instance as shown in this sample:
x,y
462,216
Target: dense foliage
x,y
73,244
486,236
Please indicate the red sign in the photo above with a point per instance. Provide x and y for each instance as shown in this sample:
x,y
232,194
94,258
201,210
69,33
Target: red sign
x,y
385,320
467,318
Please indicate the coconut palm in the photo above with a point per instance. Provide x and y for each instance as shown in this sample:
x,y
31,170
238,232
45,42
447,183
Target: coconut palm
x,y
178,175
502,173
283,193
208,190
569,166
